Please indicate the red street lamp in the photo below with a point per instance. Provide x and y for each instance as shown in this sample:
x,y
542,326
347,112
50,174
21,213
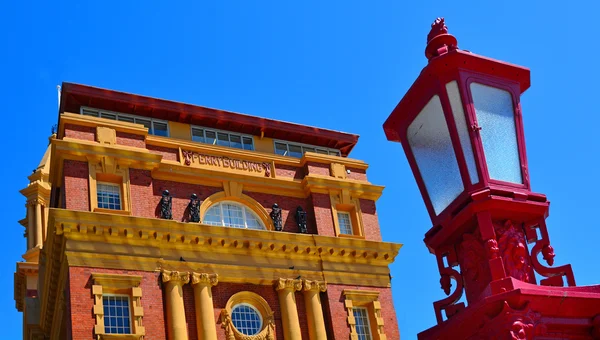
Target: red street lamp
x,y
461,128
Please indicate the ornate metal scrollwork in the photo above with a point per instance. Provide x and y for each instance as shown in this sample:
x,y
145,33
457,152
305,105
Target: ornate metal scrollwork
x,y
194,208
276,217
301,220
166,206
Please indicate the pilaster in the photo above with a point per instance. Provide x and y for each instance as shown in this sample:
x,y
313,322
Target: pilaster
x,y
176,324
286,289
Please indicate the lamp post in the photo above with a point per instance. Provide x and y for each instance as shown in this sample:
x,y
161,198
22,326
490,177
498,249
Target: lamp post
x,y
461,128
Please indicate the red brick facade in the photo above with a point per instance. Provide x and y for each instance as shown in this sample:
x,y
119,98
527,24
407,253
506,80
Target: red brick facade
x,y
145,193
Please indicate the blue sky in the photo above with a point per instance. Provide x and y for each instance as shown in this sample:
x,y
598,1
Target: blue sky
x,y
341,65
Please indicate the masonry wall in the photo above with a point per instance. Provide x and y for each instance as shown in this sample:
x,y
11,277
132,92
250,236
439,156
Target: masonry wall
x,y
81,303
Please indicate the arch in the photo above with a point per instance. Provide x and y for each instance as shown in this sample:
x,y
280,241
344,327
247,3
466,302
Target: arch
x,y
242,199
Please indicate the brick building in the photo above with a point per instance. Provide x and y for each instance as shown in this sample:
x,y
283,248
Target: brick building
x,y
151,219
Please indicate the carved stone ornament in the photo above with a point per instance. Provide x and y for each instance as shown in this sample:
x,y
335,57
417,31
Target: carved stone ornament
x,y
514,252
301,220
175,277
194,208
231,333
290,284
166,206
548,254
513,324
320,286
276,217
205,279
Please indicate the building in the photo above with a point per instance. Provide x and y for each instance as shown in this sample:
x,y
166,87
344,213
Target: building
x,y
151,219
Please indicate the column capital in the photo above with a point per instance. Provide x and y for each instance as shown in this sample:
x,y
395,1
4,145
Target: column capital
x,y
176,277
205,279
314,285
288,284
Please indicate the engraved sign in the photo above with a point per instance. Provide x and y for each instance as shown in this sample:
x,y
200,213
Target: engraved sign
x,y
192,158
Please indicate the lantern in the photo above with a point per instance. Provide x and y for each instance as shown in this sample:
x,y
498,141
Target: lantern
x,y
460,126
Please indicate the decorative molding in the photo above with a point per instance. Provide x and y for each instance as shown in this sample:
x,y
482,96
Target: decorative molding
x,y
117,281
105,135
176,277
255,300
117,125
288,284
338,170
205,279
368,299
320,286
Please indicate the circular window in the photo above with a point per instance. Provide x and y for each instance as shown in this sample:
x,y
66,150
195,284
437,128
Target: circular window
x,y
246,319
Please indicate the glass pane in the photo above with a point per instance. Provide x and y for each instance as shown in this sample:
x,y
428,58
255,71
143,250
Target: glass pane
x,y
431,146
236,141
213,215
308,149
495,116
160,129
198,135
344,223
248,145
325,152
222,139
281,149
246,319
126,119
145,123
295,151
463,129
89,113
211,137
334,153
108,116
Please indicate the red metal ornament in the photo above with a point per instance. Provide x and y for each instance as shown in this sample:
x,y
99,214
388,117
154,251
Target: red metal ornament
x,y
456,123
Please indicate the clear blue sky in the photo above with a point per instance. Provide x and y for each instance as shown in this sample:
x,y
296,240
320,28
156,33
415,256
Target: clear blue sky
x,y
341,65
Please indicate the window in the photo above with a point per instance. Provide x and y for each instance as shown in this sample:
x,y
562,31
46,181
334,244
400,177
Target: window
x,y
109,196
297,150
155,127
117,319
231,214
345,223
363,329
222,138
246,319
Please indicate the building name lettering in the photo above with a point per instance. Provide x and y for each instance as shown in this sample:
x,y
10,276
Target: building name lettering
x,y
190,157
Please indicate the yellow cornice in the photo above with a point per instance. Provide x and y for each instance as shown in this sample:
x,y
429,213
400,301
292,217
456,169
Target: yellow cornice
x,y
37,189
116,280
77,119
326,185
125,242
69,148
328,159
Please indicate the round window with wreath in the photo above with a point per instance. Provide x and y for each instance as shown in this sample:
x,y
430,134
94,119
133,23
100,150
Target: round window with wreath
x,y
248,316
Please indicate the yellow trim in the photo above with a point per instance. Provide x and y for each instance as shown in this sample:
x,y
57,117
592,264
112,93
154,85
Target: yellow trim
x,y
180,130
116,175
263,144
245,200
344,202
368,299
118,284
81,120
268,322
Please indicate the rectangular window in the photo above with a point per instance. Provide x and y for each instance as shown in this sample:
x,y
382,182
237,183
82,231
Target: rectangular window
x,y
222,138
297,150
117,319
345,223
363,329
109,196
155,127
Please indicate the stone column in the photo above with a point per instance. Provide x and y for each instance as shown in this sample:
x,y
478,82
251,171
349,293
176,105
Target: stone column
x,y
314,311
205,315
30,225
286,289
38,224
176,325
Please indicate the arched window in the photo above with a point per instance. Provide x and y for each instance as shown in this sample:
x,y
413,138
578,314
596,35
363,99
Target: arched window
x,y
232,214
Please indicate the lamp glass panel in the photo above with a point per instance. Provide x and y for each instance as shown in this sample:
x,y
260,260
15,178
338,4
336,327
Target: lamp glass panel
x,y
496,117
463,131
432,148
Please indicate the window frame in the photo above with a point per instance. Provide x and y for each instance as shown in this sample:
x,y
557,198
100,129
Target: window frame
x,y
259,304
244,208
105,171
369,300
343,202
109,184
217,131
126,115
303,146
346,213
129,305
368,323
260,316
